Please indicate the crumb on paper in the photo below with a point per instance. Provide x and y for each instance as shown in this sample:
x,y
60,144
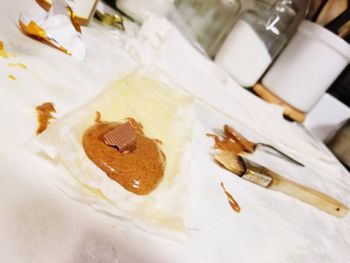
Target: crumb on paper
x,y
19,65
10,76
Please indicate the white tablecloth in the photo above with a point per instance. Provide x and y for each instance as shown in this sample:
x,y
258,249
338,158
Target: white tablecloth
x,y
39,223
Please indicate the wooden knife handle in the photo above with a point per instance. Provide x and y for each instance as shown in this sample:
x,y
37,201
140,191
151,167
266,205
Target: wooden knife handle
x,y
305,194
264,177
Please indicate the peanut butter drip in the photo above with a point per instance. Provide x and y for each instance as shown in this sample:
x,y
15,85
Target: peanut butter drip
x,y
232,142
44,116
138,171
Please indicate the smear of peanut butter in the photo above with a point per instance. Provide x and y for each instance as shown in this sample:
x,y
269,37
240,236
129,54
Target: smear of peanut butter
x,y
233,203
138,171
44,112
3,52
232,141
247,145
226,144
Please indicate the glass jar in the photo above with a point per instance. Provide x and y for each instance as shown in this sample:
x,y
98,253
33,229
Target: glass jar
x,y
208,21
257,38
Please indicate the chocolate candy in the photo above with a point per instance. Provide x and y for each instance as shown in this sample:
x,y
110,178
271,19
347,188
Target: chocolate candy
x,y
123,137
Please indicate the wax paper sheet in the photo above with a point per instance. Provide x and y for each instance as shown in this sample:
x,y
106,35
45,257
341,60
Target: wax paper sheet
x,y
166,114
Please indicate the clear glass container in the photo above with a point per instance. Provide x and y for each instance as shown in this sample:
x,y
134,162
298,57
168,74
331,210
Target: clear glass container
x,y
272,24
258,36
209,21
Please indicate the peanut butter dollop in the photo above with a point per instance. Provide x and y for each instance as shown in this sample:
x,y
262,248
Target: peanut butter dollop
x,y
138,171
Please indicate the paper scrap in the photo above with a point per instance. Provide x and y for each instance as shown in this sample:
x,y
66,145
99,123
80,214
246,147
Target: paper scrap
x,y
10,76
54,27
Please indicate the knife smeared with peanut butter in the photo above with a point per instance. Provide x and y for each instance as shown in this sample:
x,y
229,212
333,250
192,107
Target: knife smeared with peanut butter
x,y
138,171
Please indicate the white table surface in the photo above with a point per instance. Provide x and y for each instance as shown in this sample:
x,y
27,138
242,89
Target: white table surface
x,y
39,223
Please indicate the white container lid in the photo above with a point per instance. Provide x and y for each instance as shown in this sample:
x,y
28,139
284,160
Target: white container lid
x,y
327,37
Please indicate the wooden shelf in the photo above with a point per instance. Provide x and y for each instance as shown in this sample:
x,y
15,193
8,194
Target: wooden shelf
x,y
289,111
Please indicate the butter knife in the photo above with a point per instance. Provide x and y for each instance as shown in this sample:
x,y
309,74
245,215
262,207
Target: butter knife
x,y
266,178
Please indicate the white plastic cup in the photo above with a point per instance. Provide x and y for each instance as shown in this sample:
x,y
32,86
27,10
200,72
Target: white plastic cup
x,y
309,64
